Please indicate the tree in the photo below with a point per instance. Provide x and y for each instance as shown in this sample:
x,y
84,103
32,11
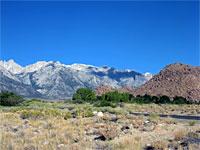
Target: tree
x,y
84,94
10,99
164,100
180,100
115,96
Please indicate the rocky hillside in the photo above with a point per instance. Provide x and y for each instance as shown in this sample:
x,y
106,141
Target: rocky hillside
x,y
174,80
126,89
103,89
53,80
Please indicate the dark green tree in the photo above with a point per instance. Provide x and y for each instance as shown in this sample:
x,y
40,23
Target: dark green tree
x,y
164,100
84,94
180,100
10,99
115,96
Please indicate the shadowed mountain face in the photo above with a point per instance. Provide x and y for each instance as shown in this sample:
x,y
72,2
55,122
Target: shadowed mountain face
x,y
174,80
52,80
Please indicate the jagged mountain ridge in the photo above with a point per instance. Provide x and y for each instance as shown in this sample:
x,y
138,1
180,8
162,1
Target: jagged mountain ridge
x,y
53,80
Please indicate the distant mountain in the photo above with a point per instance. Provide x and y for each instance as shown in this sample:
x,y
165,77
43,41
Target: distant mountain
x,y
53,80
174,80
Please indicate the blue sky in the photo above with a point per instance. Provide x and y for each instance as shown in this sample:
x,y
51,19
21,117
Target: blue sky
x,y
144,36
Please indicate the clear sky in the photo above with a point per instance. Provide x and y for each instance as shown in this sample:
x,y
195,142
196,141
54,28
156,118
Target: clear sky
x,y
143,36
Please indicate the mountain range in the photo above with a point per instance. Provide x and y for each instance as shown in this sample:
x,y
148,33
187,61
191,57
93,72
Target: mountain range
x,y
53,80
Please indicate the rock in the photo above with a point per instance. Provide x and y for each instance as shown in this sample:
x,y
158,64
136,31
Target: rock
x,y
148,124
94,112
24,126
100,114
45,142
61,147
22,133
121,121
15,129
125,128
191,140
30,148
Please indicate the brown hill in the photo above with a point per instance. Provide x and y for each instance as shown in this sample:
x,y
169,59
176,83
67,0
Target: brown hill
x,y
103,89
174,80
126,89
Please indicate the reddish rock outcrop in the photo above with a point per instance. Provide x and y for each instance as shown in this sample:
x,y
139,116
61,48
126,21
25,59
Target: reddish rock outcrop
x,y
103,89
126,89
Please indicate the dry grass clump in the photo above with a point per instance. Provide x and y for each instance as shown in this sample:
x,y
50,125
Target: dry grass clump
x,y
109,132
160,145
169,120
137,123
126,143
180,134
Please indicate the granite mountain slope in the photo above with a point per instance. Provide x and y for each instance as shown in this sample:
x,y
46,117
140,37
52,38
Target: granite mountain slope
x,y
53,80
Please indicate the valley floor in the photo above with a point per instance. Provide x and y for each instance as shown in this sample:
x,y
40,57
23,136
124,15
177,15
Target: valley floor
x,y
62,126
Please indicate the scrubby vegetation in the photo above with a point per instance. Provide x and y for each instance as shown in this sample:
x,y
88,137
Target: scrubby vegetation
x,y
37,124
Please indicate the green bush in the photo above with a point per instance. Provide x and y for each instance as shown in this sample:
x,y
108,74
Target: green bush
x,y
105,103
192,123
115,97
84,94
31,114
52,113
67,115
10,99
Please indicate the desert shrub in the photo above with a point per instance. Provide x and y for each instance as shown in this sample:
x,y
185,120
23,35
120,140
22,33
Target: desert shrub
x,y
84,94
108,132
192,134
78,102
10,99
11,116
169,120
33,103
83,113
180,135
31,114
159,145
52,113
192,122
153,115
67,115
105,103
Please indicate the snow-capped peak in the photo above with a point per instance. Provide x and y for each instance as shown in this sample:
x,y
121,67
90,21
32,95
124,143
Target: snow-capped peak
x,y
11,66
79,66
148,75
36,66
16,69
